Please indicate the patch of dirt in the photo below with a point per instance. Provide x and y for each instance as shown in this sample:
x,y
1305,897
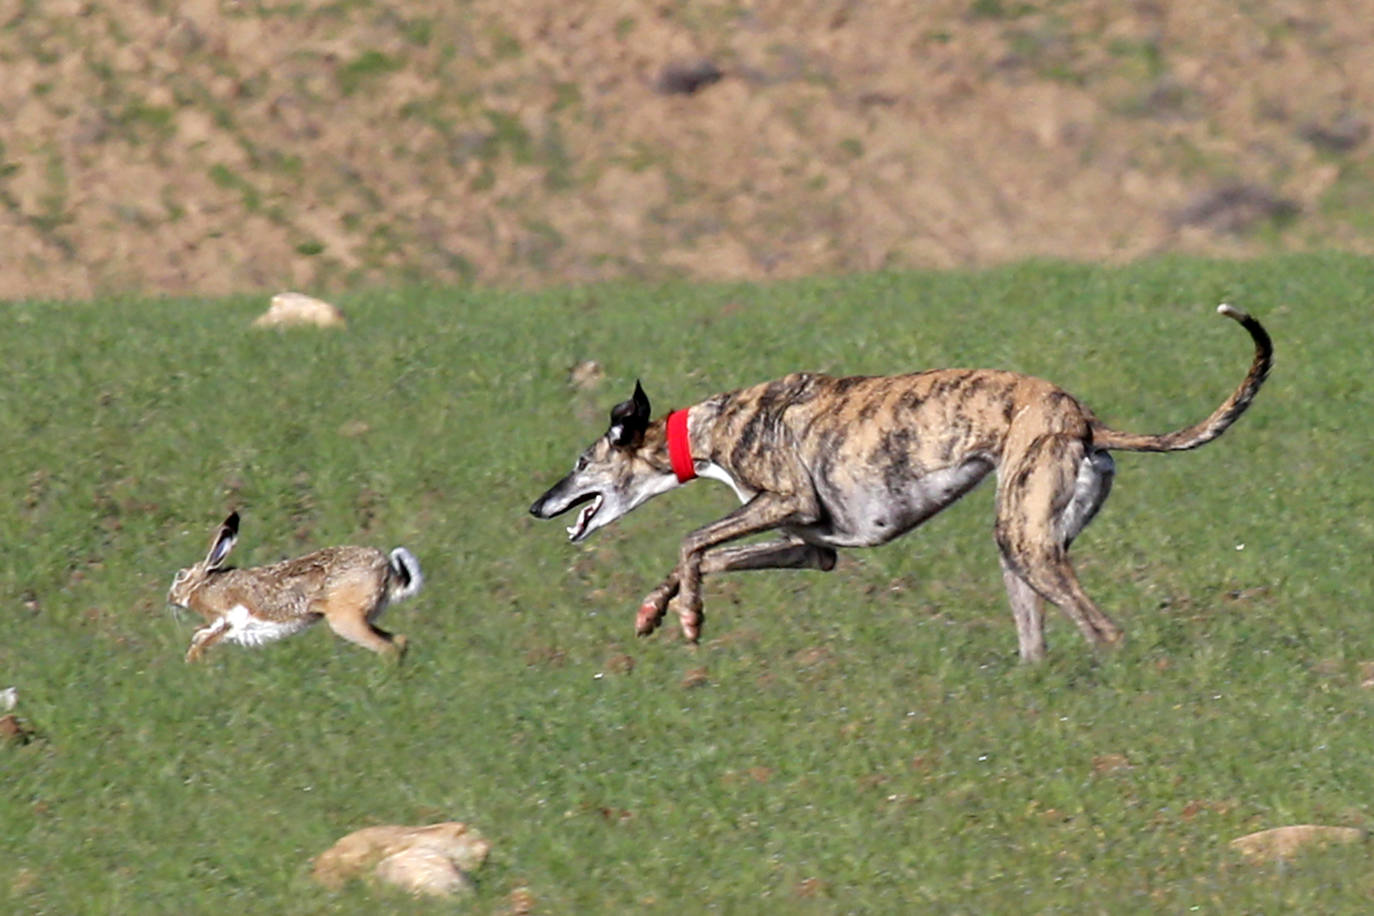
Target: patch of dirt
x,y
213,146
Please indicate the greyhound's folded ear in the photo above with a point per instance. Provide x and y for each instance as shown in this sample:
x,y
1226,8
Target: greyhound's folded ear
x,y
629,419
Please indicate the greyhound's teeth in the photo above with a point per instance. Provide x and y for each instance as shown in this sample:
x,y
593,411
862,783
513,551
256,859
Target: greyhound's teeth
x,y
583,518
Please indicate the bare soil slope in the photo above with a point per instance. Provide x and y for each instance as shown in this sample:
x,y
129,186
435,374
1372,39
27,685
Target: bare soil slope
x,y
202,147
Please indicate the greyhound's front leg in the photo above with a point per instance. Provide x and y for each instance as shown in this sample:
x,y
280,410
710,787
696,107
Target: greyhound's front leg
x,y
783,553
765,511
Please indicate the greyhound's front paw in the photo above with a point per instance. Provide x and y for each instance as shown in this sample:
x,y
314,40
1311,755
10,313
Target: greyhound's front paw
x,y
690,617
651,611
648,618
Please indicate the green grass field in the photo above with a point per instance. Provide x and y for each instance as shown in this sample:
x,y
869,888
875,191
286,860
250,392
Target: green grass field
x,y
858,741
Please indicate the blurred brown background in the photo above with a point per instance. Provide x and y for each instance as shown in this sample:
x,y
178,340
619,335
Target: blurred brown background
x,y
205,147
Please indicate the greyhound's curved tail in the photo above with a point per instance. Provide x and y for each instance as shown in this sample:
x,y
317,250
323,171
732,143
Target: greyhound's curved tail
x,y
1201,433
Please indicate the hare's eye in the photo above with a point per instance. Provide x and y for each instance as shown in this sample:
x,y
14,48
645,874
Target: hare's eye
x,y
180,577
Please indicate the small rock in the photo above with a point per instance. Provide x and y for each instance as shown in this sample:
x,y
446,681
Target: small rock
x,y
424,872
298,309
1282,842
432,860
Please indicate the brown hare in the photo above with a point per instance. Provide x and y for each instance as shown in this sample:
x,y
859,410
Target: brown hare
x,y
348,586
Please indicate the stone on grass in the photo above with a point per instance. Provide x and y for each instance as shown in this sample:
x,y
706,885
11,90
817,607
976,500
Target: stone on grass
x,y
299,310
433,860
423,872
1283,842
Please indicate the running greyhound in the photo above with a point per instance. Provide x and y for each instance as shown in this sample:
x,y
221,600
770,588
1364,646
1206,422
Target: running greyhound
x,y
855,462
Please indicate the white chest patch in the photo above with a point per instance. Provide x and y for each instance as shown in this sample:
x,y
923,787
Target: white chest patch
x,y
247,630
713,471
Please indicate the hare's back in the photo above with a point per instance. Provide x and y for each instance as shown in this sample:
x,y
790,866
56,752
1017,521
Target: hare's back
x,y
334,574
302,587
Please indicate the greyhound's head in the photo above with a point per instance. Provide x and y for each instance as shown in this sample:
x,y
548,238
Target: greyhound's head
x,y
616,473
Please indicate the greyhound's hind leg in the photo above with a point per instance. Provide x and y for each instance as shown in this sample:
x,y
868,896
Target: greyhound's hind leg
x,y
1028,611
1037,493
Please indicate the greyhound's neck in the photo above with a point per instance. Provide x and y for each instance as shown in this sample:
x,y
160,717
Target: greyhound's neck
x,y
680,446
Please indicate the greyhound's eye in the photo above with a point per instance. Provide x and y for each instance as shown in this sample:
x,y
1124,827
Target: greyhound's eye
x,y
581,464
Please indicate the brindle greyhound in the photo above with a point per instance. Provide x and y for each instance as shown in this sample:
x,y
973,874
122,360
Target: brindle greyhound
x,y
855,462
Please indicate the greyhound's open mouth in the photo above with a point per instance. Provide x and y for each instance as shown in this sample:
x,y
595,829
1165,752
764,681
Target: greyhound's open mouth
x,y
584,518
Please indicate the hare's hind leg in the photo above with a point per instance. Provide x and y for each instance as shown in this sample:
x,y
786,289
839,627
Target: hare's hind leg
x,y
353,603
205,637
356,628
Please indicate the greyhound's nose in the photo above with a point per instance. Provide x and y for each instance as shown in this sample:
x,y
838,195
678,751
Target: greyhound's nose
x,y
536,507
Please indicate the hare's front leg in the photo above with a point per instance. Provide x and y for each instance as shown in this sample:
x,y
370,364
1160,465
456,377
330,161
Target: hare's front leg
x,y
206,637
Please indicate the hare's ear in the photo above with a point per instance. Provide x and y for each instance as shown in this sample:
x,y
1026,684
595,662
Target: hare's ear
x,y
629,419
223,541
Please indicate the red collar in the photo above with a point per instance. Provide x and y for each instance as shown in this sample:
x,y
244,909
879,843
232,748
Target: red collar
x,y
679,448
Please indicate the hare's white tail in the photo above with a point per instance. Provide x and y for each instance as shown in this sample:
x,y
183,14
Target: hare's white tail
x,y
406,570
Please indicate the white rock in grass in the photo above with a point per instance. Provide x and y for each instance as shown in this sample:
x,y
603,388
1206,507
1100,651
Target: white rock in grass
x,y
298,309
433,860
9,698
424,872
1282,842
